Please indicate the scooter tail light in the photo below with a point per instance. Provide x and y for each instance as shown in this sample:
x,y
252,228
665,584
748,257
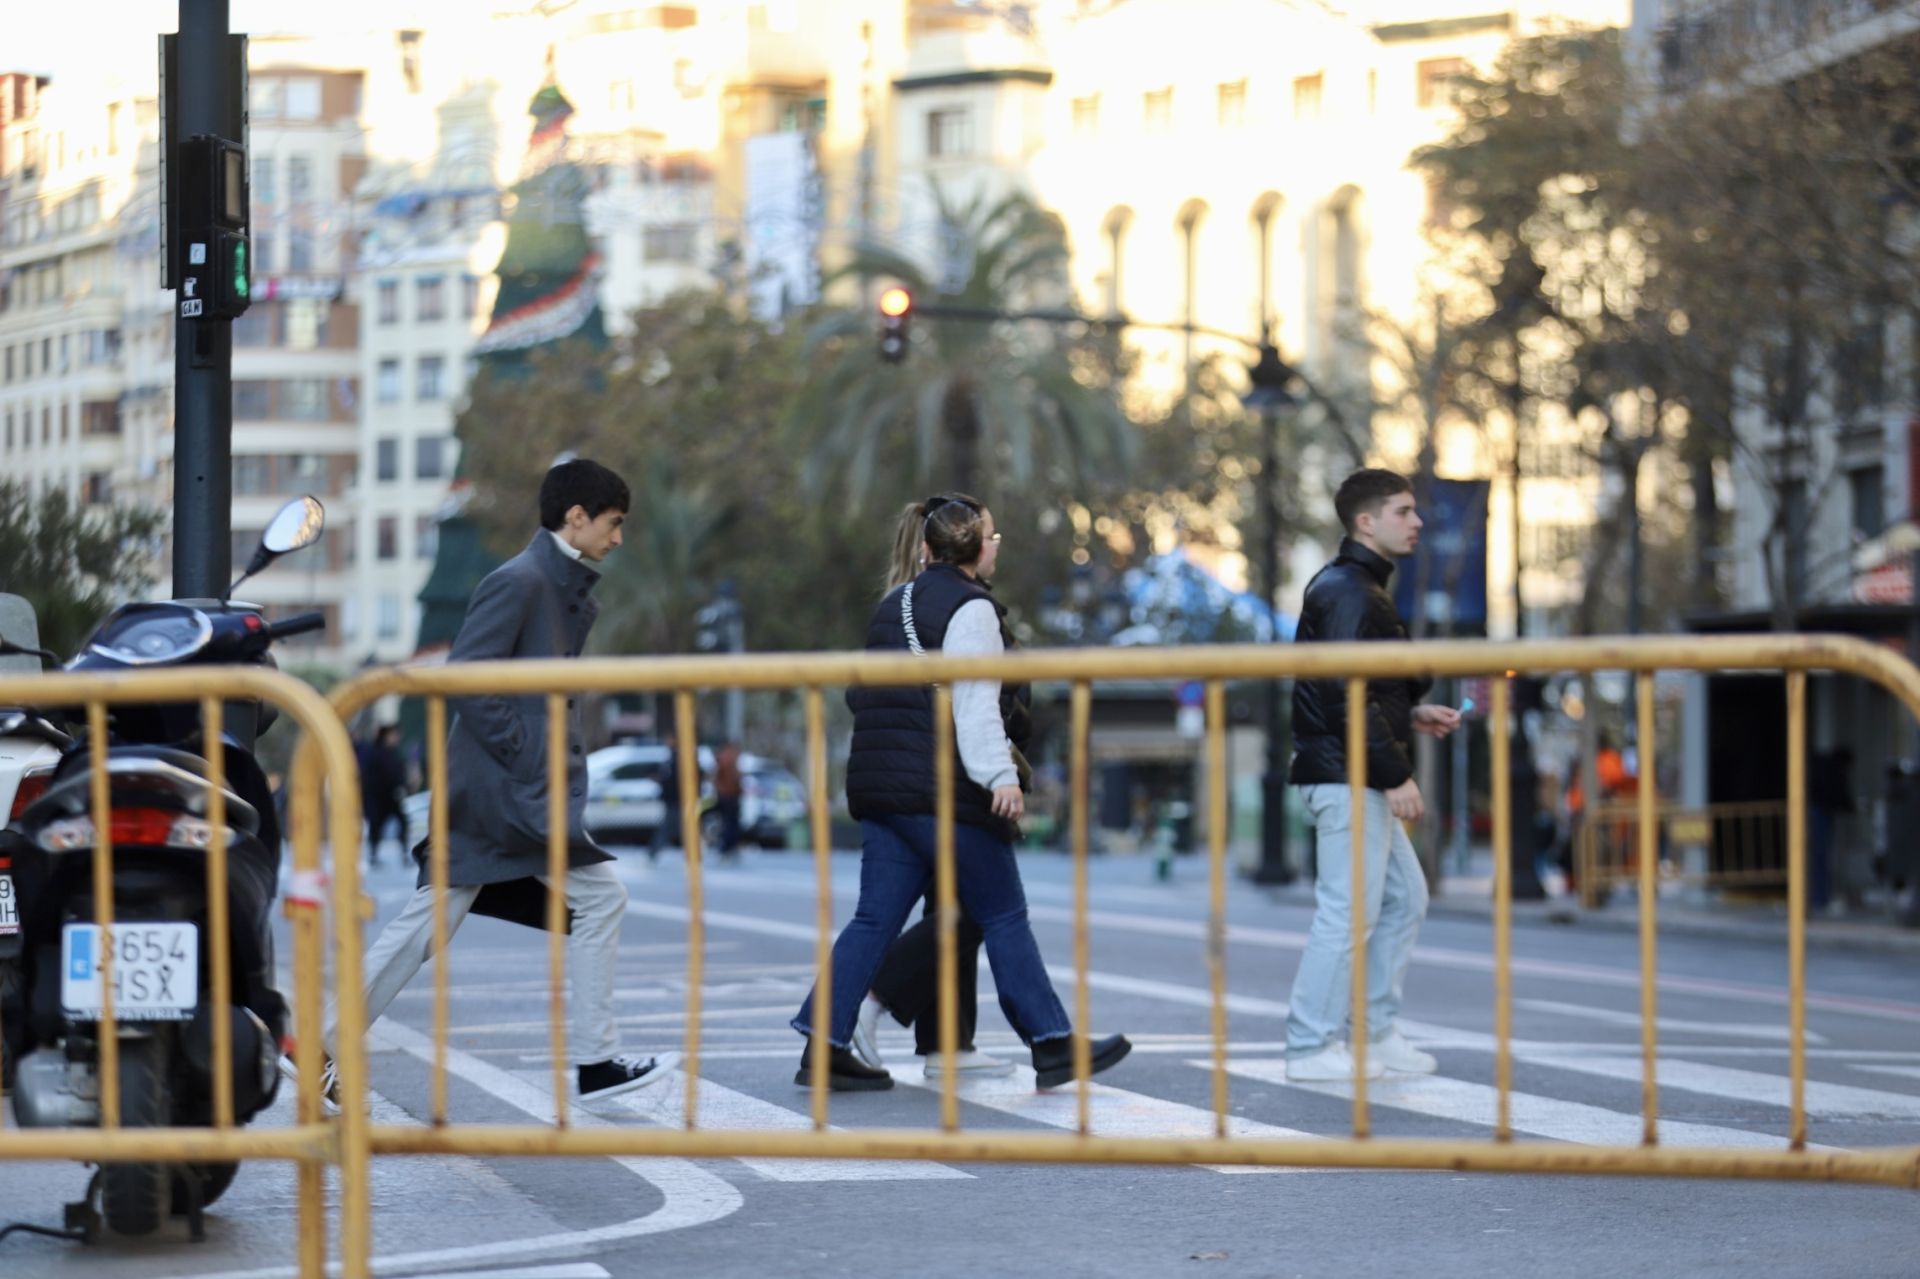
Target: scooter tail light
x,y
33,784
128,826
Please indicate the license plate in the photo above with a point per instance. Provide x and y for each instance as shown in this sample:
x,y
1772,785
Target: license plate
x,y
9,908
156,971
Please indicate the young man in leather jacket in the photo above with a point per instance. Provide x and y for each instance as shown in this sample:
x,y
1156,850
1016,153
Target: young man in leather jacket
x,y
1348,600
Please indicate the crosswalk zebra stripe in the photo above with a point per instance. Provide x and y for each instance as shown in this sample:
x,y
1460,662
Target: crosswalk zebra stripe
x,y
1457,1099
1824,1100
1905,1072
1115,1112
722,1107
1631,1020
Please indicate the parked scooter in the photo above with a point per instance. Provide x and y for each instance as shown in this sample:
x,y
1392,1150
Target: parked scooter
x,y
161,957
30,747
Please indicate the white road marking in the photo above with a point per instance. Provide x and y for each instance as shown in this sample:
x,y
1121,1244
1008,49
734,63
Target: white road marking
x,y
721,1107
1114,1112
574,1270
1615,1017
1824,1100
1473,1103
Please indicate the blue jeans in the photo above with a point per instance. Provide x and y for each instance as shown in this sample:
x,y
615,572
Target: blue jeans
x,y
1396,902
896,868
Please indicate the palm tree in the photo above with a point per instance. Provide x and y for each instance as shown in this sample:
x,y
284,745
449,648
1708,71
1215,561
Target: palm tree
x,y
981,402
655,583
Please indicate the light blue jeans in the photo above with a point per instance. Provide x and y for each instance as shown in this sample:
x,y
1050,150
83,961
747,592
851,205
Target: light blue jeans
x,y
1395,901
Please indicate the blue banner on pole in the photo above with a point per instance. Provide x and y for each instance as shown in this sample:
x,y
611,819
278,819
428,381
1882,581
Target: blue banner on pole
x,y
1449,570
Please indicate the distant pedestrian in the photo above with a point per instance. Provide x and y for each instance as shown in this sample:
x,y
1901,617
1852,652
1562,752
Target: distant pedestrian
x,y
726,796
537,604
383,789
891,791
666,832
1349,600
1830,800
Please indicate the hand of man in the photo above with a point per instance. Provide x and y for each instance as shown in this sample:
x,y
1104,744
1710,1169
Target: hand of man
x,y
1008,802
1435,721
1403,801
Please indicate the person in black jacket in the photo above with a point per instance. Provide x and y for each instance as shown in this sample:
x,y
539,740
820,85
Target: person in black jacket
x,y
891,791
1348,600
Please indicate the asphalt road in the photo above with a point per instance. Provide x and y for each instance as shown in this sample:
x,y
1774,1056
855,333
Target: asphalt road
x,y
1724,1063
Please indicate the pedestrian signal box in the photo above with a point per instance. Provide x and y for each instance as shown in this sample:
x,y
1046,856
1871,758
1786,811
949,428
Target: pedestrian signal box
x,y
216,254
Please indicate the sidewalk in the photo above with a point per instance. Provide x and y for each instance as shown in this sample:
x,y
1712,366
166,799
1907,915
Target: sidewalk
x,y
1683,910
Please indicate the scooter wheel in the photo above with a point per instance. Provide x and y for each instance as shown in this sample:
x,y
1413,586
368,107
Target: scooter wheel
x,y
134,1197
214,1180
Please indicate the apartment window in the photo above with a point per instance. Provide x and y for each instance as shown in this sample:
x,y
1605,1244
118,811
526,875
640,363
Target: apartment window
x,y
252,401
1232,103
262,184
1437,78
388,293
1306,97
299,251
9,364
9,432
430,378
387,382
99,488
307,323
426,538
1157,109
46,427
430,298
949,134
303,98
100,417
387,538
386,460
252,475
430,457
389,617
299,179
1868,487
1086,114
469,296
263,260
265,99
304,399
672,242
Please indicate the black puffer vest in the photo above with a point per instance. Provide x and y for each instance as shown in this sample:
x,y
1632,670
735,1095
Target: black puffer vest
x,y
890,770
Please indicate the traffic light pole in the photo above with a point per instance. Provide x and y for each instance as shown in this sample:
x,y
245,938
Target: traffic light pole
x,y
202,348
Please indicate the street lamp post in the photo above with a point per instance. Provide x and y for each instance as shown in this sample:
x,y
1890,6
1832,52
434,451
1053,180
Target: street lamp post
x,y
1270,398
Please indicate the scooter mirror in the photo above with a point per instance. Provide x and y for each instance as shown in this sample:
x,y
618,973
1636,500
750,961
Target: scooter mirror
x,y
296,527
19,624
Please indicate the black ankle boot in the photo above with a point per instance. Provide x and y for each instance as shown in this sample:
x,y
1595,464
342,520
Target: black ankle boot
x,y
845,1072
1053,1058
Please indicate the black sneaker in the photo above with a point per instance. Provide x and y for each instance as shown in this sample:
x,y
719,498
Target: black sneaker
x,y
622,1074
1053,1058
845,1072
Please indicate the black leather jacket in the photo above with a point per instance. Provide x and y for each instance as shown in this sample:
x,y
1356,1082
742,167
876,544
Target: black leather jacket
x,y
1348,600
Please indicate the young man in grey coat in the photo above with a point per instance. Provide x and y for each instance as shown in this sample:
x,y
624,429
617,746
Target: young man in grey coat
x,y
537,604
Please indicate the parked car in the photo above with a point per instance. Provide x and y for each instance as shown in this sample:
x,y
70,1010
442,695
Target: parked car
x,y
625,800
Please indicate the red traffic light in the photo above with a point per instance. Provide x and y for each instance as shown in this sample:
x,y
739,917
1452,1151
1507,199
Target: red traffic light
x,y
895,301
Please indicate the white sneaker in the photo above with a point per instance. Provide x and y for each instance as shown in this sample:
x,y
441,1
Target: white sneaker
x,y
866,1040
970,1064
1331,1065
1402,1058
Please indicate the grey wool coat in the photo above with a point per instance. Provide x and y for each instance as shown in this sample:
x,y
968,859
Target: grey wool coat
x,y
537,604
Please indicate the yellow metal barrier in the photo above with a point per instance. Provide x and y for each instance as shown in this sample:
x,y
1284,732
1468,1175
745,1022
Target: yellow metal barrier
x,y
310,1142
1731,846
813,673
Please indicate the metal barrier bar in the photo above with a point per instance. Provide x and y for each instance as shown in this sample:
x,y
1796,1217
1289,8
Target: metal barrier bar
x,y
102,806
819,1049
557,902
351,909
1357,792
1649,894
212,736
1217,893
686,725
1894,1166
1797,904
945,893
438,855
1502,771
1082,711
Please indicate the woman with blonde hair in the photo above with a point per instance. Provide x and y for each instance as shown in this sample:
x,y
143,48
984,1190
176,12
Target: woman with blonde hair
x,y
891,792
